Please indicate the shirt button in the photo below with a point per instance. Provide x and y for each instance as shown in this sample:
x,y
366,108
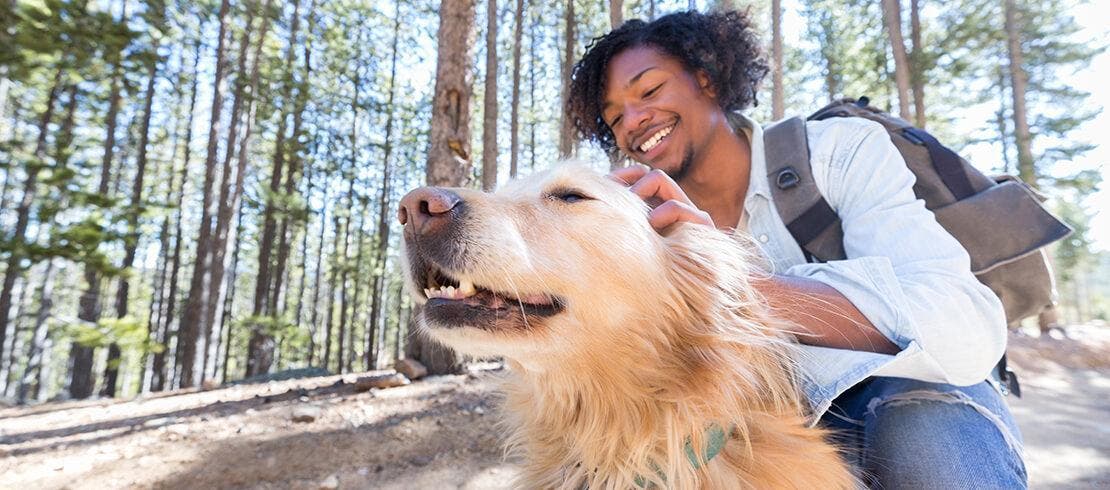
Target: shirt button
x,y
763,238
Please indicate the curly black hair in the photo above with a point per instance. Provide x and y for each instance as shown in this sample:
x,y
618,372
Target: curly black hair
x,y
724,45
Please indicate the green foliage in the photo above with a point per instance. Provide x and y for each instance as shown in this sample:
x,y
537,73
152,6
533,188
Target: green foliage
x,y
127,332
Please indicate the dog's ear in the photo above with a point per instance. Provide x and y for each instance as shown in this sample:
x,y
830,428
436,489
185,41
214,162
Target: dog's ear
x,y
712,270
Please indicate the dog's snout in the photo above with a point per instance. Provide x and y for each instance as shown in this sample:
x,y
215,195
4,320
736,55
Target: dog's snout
x,y
428,207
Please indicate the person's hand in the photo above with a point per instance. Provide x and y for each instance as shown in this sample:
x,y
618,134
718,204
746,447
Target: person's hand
x,y
669,204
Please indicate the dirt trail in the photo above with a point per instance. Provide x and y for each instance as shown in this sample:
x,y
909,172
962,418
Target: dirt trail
x,y
439,432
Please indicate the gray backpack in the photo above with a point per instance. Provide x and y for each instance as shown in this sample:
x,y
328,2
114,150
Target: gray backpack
x,y
1000,221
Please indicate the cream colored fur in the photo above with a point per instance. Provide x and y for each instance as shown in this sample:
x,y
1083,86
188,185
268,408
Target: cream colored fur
x,y
662,337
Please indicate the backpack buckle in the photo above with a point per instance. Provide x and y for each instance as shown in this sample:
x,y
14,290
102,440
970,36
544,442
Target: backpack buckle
x,y
787,178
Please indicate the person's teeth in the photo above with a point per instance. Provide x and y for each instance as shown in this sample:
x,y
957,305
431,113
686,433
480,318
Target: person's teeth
x,y
649,144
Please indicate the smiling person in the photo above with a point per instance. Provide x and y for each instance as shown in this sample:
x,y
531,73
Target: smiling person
x,y
899,339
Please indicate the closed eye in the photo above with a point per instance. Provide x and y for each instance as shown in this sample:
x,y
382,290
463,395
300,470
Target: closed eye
x,y
568,195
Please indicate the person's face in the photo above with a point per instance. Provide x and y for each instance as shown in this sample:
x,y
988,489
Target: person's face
x,y
660,113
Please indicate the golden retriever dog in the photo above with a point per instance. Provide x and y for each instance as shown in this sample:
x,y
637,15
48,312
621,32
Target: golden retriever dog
x,y
636,360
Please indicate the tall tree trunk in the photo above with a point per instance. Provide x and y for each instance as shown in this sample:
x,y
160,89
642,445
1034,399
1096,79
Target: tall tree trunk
x,y
223,335
81,380
778,105
489,103
344,256
533,34
448,143
18,237
160,376
514,115
400,317
333,278
616,13
293,176
917,60
260,345
131,242
225,207
189,336
1018,84
360,240
377,292
892,14
317,272
154,380
231,204
30,382
1000,122
566,130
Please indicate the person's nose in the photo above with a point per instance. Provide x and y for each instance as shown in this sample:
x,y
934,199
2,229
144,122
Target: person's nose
x,y
428,209
634,119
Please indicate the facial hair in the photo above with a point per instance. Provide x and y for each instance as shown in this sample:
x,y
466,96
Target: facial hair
x,y
683,168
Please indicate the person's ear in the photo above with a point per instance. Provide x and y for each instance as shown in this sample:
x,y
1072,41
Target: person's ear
x,y
705,84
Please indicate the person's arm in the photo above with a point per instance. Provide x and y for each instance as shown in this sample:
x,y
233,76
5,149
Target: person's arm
x,y
822,315
904,272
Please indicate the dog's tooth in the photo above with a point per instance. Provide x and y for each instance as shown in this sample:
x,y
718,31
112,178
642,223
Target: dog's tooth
x,y
450,291
427,292
466,288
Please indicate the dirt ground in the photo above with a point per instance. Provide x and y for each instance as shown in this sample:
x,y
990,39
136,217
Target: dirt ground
x,y
441,432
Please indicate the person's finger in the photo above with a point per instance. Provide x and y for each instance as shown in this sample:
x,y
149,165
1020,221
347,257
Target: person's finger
x,y
672,211
659,185
629,175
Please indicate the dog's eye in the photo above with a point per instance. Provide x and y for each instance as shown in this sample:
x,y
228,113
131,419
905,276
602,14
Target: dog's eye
x,y
569,196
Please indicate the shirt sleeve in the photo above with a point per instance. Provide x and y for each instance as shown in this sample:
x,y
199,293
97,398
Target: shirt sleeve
x,y
904,272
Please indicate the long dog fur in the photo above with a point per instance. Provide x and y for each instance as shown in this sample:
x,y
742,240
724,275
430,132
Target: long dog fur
x,y
663,338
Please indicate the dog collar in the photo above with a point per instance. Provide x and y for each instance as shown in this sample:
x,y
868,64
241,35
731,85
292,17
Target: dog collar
x,y
716,437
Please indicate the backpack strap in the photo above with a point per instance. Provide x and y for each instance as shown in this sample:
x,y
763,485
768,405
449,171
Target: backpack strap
x,y
808,216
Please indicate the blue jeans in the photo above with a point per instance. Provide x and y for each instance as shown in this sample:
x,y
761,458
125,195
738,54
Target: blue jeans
x,y
904,433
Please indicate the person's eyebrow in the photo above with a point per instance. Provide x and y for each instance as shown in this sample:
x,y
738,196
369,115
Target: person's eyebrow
x,y
631,81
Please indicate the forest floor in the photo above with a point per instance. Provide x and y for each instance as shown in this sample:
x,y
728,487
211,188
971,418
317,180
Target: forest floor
x,y
440,432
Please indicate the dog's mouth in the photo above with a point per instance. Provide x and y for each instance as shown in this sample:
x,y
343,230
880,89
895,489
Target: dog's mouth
x,y
455,302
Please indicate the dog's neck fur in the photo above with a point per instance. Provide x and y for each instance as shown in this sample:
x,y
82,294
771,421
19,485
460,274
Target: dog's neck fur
x,y
591,416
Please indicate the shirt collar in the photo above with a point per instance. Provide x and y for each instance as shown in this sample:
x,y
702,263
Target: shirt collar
x,y
757,180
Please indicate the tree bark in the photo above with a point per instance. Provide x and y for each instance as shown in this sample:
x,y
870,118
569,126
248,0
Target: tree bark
x,y
514,116
89,305
224,333
229,205
131,242
892,14
190,327
448,145
1018,86
533,34
566,130
317,272
778,105
377,293
18,238
260,345
31,381
917,60
616,13
489,102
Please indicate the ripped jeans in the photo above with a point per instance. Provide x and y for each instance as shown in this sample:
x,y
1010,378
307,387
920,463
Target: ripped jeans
x,y
904,433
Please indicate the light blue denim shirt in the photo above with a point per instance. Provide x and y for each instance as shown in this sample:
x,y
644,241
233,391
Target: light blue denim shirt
x,y
904,272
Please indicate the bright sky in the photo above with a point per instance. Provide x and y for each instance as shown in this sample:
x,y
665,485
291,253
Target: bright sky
x,y
1093,17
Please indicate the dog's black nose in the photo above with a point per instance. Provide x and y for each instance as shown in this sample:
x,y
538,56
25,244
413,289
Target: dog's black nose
x,y
428,208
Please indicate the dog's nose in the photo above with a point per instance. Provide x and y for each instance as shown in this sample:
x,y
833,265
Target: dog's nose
x,y
427,207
